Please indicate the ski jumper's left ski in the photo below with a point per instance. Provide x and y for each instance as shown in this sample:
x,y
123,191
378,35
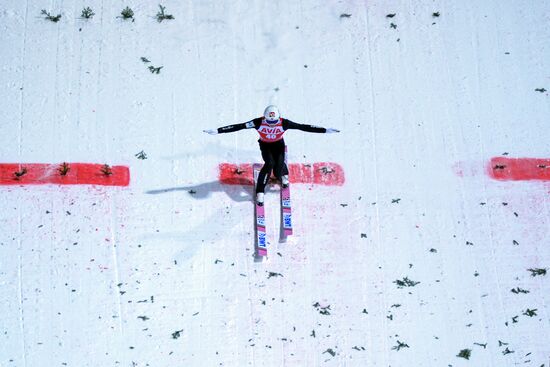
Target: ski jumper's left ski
x,y
261,240
286,207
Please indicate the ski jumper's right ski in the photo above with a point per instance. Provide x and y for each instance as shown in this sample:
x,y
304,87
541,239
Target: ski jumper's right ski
x,y
261,240
286,207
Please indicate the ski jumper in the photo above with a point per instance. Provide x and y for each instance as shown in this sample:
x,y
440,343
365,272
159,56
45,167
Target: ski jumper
x,y
272,144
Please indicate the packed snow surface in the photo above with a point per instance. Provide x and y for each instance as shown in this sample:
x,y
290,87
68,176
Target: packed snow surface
x,y
420,258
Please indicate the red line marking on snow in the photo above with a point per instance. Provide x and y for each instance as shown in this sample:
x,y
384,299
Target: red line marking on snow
x,y
78,174
519,169
322,173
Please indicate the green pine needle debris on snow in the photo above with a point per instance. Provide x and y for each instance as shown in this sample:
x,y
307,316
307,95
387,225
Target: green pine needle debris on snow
x,y
22,172
537,271
518,290
161,15
155,70
64,169
87,13
464,353
127,13
177,334
141,155
406,282
106,170
399,346
48,16
323,310
273,274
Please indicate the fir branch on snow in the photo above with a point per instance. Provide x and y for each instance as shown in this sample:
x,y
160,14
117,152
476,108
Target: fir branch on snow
x,y
518,290
322,310
481,345
64,169
330,351
106,170
272,274
393,25
399,346
390,15
464,353
22,172
542,90
530,312
358,348
145,60
344,15
177,334
537,271
48,16
515,319
507,351
435,14
162,16
406,282
87,13
395,201
143,318
501,343
326,170
155,70
126,14
516,243
141,155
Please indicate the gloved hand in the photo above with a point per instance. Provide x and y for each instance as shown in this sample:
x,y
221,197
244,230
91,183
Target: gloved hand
x,y
330,130
211,132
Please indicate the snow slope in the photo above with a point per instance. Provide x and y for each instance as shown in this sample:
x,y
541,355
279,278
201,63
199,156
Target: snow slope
x,y
162,272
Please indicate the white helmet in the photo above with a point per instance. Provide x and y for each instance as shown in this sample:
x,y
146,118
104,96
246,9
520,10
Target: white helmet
x,y
271,113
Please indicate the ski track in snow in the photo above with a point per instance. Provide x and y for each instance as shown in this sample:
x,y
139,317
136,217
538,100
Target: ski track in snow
x,y
162,272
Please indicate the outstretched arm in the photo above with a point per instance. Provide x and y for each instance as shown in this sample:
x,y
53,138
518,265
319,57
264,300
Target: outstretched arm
x,y
231,128
287,124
